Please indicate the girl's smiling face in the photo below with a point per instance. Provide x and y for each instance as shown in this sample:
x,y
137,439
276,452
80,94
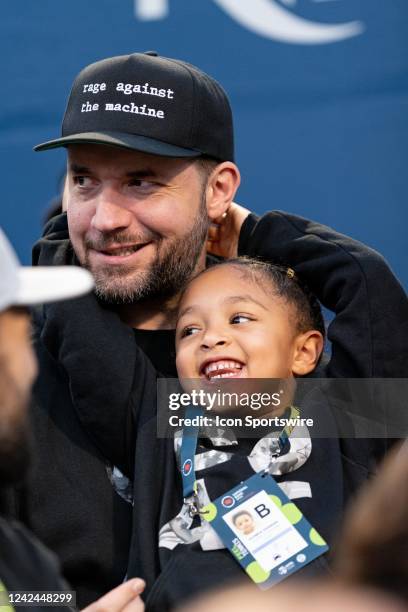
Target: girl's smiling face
x,y
231,325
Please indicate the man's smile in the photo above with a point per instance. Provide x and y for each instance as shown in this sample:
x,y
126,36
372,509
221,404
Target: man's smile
x,y
121,253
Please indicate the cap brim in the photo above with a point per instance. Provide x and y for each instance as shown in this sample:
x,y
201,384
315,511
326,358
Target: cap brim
x,y
118,139
50,284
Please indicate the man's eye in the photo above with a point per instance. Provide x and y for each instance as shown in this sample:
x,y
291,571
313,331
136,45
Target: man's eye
x,y
141,184
189,331
82,181
240,318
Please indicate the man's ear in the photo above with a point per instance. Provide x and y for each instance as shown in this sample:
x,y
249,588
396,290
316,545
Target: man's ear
x,y
308,348
222,186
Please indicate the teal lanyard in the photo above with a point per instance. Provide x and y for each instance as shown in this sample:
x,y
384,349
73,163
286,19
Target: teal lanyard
x,y
189,447
187,453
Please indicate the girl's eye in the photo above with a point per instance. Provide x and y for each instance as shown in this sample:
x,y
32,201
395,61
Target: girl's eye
x,y
240,318
189,331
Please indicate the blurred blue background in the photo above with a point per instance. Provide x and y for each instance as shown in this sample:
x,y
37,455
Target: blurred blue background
x,y
319,90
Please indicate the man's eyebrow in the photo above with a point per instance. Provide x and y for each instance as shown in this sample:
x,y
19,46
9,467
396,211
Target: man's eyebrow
x,y
77,169
142,173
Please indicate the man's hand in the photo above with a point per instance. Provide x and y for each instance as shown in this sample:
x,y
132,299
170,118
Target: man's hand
x,y
223,234
125,598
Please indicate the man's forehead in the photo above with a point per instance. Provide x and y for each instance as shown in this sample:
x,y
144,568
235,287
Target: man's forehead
x,y
91,155
101,152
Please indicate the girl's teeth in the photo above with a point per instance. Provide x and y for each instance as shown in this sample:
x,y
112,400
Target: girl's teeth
x,y
225,375
222,365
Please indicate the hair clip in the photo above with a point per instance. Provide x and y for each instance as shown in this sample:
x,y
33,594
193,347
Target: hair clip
x,y
290,273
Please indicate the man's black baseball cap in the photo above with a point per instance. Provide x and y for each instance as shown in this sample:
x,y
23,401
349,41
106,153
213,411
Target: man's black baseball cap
x,y
148,103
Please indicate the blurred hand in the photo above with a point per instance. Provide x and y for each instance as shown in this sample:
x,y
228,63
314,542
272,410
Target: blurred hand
x,y
223,234
125,598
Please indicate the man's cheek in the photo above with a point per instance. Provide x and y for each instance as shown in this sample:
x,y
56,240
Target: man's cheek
x,y
166,219
78,225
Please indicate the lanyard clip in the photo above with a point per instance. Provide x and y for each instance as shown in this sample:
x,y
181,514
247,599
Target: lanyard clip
x,y
192,504
193,508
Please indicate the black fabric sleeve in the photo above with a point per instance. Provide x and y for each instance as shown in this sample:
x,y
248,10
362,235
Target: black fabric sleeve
x,y
369,333
112,382
27,565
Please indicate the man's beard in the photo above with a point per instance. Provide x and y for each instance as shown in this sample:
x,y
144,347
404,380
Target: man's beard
x,y
164,278
15,432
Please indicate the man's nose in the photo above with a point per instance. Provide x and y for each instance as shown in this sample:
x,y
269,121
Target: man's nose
x,y
111,212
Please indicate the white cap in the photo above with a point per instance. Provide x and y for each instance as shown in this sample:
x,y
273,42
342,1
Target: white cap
x,y
26,286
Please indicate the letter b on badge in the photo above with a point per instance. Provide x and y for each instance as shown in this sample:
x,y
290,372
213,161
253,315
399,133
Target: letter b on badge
x,y
262,510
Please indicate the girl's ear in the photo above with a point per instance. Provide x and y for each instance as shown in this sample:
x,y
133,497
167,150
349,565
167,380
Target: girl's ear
x,y
308,348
